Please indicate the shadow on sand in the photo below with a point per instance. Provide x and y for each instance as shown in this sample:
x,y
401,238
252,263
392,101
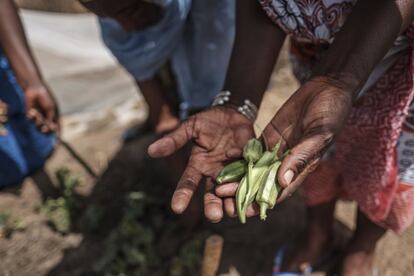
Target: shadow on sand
x,y
248,248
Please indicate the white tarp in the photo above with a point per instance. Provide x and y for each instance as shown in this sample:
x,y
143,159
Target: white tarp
x,y
74,61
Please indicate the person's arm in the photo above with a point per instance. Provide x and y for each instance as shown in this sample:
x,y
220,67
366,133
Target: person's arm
x,y
221,132
367,35
14,44
359,46
256,48
309,121
316,112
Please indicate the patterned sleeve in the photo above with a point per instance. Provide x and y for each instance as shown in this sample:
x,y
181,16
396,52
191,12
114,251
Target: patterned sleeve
x,y
285,14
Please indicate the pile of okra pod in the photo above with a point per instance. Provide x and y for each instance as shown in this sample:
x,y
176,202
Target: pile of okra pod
x,y
257,177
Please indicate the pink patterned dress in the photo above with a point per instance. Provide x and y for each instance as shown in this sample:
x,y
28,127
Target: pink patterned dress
x,y
373,157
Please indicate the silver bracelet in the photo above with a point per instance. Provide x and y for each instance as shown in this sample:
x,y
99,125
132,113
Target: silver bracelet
x,y
248,109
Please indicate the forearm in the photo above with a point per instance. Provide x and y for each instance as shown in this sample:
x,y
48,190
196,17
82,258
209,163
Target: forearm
x,y
256,48
367,35
14,44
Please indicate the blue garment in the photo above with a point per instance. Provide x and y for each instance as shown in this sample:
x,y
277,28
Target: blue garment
x,y
196,36
23,149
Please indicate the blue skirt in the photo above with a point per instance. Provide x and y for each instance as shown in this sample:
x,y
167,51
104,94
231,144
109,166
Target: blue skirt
x,y
23,149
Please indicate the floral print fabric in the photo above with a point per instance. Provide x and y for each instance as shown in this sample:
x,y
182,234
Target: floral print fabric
x,y
373,159
313,21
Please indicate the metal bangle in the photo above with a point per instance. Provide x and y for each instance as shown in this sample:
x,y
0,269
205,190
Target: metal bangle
x,y
247,109
221,98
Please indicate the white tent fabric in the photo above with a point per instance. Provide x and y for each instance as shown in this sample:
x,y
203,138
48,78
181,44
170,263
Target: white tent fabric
x,y
82,72
71,36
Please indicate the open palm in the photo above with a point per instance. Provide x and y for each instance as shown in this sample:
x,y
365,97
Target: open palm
x,y
219,134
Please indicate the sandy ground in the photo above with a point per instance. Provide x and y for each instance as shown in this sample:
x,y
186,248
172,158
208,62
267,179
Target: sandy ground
x,y
38,250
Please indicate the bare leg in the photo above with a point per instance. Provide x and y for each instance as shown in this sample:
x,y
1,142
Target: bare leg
x,y
317,240
360,252
161,118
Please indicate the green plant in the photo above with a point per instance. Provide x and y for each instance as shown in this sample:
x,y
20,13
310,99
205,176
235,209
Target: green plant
x,y
9,225
59,211
134,247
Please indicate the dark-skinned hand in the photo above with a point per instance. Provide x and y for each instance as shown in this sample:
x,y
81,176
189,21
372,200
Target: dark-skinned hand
x,y
41,108
306,124
219,135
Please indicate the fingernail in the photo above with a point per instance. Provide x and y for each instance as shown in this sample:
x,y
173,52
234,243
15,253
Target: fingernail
x,y
214,215
178,208
153,149
289,176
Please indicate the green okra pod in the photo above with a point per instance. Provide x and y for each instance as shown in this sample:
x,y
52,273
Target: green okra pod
x,y
259,175
253,150
267,194
249,185
276,148
232,172
286,153
267,159
240,198
274,194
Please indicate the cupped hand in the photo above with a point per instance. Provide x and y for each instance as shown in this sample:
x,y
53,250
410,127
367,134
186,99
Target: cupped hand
x,y
219,134
306,124
41,108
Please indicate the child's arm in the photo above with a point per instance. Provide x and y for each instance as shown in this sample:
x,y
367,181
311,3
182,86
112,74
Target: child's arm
x,y
40,104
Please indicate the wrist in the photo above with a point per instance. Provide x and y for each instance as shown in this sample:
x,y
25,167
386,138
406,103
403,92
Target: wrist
x,y
238,96
245,107
33,85
343,81
35,89
28,81
232,111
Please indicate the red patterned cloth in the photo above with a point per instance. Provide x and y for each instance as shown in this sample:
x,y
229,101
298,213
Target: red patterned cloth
x,y
373,158
364,164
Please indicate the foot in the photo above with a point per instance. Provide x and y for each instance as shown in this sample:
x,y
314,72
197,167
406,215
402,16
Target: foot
x,y
309,251
163,120
145,128
166,125
162,113
317,242
358,263
359,255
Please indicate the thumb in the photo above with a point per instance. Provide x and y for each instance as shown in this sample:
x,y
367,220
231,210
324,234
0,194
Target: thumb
x,y
173,141
29,101
302,160
48,107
